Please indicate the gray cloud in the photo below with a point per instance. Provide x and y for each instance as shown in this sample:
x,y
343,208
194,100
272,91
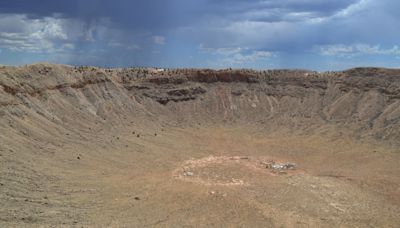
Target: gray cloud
x,y
35,35
349,51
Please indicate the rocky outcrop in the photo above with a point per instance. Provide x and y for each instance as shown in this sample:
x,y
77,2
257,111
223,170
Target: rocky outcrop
x,y
163,96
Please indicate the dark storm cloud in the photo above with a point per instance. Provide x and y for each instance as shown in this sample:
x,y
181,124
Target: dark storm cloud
x,y
39,8
123,13
158,13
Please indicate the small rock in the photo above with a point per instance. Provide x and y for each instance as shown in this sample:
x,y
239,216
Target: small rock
x,y
137,198
188,173
290,165
79,158
279,166
212,192
138,135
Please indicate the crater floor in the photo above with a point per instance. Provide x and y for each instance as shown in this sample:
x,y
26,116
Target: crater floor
x,y
104,154
134,181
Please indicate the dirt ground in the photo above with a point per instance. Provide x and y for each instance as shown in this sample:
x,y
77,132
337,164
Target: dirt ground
x,y
139,182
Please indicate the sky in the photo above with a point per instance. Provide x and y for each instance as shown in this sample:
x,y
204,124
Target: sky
x,y
303,34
